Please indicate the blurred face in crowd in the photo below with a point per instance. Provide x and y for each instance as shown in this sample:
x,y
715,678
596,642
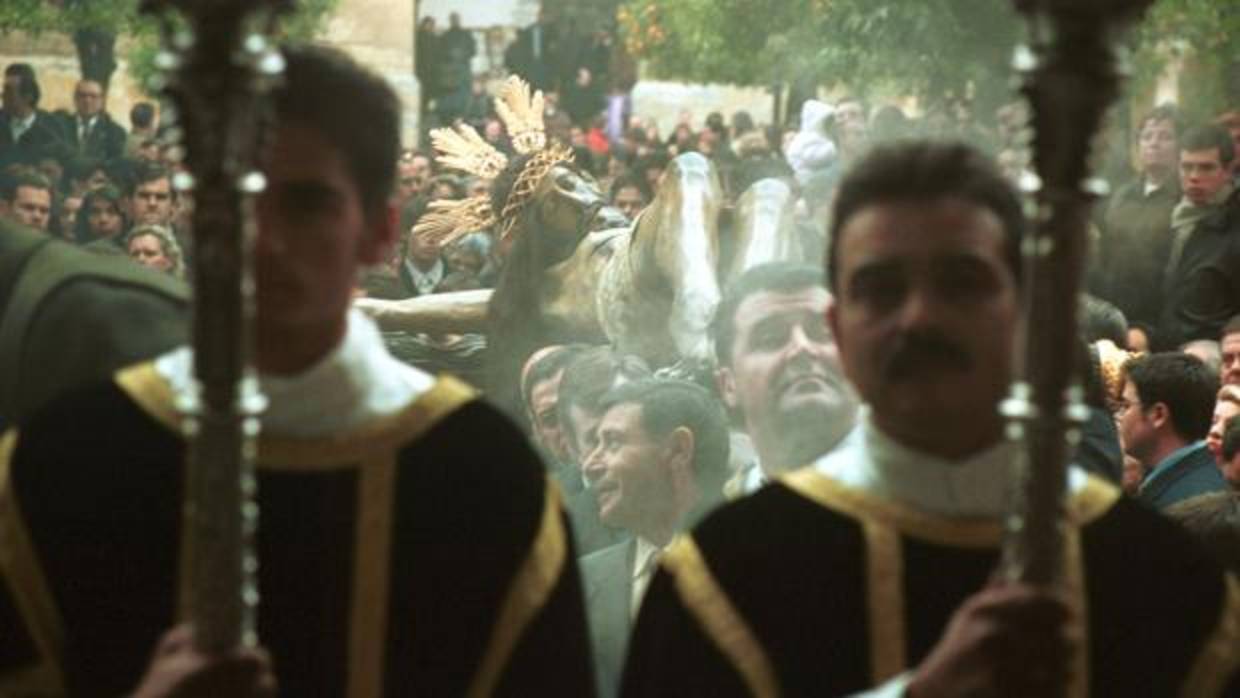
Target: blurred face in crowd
x,y
850,121
1157,148
784,375
1224,410
412,176
462,258
1138,425
1202,175
148,251
88,98
582,434
69,211
633,473
313,235
545,416
630,202
98,178
13,101
1138,340
104,219
31,206
423,249
151,202
1230,350
926,320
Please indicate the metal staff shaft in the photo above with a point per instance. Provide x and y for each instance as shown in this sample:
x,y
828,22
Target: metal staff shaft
x,y
219,68
1071,76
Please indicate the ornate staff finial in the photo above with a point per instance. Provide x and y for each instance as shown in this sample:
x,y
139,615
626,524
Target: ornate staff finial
x,y
1070,77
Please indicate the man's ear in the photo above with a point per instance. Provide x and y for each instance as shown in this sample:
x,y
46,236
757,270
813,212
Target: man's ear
x,y
383,228
679,462
725,381
1159,414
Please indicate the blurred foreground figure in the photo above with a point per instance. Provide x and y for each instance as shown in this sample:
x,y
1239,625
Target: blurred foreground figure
x,y
69,318
874,567
410,542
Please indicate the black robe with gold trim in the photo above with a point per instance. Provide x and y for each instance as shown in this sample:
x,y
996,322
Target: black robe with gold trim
x,y
424,553
813,588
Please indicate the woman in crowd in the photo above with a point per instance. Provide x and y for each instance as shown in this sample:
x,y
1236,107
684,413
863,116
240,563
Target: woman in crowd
x,y
101,216
154,246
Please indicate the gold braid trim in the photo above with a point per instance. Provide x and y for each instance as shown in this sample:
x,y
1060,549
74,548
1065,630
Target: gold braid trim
x,y
527,182
522,115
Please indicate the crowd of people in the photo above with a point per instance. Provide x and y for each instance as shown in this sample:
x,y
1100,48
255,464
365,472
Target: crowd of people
x,y
844,465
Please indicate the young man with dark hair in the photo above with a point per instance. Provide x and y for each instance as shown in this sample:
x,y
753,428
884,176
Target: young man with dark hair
x,y
779,370
26,198
841,578
26,132
410,536
1164,415
1202,280
660,464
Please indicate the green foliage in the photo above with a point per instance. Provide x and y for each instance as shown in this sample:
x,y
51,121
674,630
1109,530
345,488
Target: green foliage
x,y
932,49
122,18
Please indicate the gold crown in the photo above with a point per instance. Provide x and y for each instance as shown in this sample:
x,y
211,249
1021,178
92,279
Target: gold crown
x,y
522,114
463,149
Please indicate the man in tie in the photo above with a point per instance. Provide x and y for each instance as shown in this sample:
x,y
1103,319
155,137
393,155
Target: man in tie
x,y
89,130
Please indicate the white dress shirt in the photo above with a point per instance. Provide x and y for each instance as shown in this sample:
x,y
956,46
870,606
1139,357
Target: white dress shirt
x,y
356,382
645,562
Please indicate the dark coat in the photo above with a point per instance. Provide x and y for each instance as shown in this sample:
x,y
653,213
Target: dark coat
x,y
69,317
1133,250
43,138
1181,476
1204,290
105,141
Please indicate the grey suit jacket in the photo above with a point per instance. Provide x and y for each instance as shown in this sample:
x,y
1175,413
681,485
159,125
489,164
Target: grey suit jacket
x,y
607,576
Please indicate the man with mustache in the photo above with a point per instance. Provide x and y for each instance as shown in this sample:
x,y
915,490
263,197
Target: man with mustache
x,y
876,569
779,370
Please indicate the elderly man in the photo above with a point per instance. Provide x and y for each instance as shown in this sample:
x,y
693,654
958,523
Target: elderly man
x,y
843,577
779,370
410,536
660,462
89,130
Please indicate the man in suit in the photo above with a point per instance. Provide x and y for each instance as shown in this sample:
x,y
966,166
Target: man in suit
x,y
1164,416
27,199
89,130
659,465
26,132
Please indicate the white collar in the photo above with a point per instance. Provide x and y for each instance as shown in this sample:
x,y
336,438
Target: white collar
x,y
25,123
977,486
354,383
426,281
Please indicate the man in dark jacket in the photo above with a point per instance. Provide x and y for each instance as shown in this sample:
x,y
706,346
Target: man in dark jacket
x,y
1134,245
26,132
1163,419
1199,287
89,130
